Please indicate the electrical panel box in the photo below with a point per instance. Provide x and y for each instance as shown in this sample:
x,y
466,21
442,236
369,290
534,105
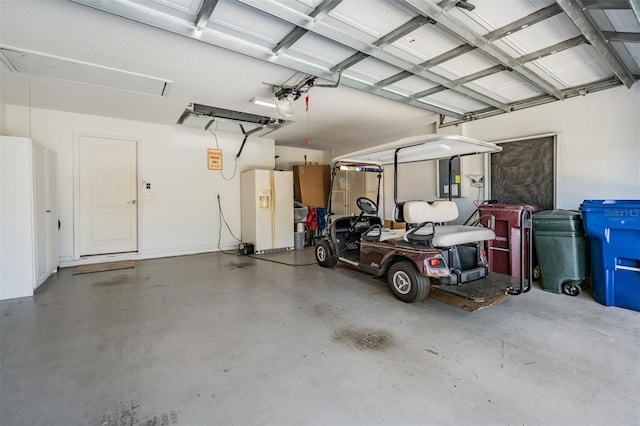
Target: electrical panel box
x,y
443,178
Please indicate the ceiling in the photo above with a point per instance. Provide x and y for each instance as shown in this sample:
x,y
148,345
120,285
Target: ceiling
x,y
399,66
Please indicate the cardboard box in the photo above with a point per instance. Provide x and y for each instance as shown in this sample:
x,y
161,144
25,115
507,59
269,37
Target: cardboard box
x,y
311,185
394,225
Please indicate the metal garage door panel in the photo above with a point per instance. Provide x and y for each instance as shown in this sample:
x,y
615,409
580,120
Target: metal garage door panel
x,y
453,101
425,43
621,21
543,34
303,6
184,9
320,51
411,85
572,67
489,15
371,70
368,20
504,85
632,58
466,64
250,24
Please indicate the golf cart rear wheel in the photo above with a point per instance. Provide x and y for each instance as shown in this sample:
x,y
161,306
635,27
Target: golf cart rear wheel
x,y
324,257
406,282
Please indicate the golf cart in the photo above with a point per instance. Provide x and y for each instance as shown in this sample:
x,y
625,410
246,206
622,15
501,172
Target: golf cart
x,y
428,251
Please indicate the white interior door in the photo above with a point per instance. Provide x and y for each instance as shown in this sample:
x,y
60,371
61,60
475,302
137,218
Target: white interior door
x,y
108,195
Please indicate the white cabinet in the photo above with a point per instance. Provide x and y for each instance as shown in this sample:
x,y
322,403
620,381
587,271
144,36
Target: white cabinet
x,y
267,209
28,216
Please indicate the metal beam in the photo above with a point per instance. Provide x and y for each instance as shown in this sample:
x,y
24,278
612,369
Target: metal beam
x,y
558,47
591,32
448,4
496,34
564,45
292,16
428,92
444,57
471,37
394,78
621,37
319,12
524,22
480,74
204,14
349,62
403,30
604,4
217,37
509,29
466,79
383,41
538,100
635,6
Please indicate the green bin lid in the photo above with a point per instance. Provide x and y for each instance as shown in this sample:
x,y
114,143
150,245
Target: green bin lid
x,y
557,215
557,221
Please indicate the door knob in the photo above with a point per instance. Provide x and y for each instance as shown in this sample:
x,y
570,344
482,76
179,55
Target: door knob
x,y
132,202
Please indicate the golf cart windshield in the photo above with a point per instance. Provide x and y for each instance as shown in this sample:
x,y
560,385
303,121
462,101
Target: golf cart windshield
x,y
349,181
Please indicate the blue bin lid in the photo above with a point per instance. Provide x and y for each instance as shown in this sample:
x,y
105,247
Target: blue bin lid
x,y
610,204
610,214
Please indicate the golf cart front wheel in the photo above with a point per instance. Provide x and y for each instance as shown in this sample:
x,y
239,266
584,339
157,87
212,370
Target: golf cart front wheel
x,y
406,282
324,257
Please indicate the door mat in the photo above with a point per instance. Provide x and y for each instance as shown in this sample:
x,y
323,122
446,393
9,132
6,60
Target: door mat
x,y
101,267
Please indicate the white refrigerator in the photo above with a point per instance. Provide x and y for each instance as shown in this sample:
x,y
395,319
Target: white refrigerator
x,y
267,209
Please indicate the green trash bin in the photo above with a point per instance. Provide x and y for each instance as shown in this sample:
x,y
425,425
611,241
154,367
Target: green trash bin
x,y
560,246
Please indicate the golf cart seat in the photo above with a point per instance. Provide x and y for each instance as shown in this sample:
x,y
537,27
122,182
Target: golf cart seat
x,y
425,217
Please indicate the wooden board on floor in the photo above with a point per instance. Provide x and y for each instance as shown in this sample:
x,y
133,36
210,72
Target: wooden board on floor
x,y
460,302
101,267
443,297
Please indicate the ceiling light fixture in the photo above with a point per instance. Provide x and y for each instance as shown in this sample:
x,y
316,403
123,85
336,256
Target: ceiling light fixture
x,y
285,98
267,102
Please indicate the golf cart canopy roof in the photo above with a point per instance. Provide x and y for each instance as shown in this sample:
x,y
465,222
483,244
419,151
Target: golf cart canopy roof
x,y
419,148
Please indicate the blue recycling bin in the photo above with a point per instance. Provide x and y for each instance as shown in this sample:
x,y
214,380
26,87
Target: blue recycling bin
x,y
613,228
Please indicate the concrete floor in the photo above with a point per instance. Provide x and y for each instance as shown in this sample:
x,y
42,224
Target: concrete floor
x,y
219,339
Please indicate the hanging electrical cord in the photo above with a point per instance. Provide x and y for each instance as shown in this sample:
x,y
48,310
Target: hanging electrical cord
x,y
220,221
235,162
282,263
224,220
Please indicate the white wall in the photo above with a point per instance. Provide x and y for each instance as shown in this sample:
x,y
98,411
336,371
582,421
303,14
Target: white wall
x,y
289,157
182,217
598,145
598,150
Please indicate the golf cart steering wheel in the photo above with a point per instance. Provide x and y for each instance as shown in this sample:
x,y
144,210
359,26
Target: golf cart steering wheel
x,y
366,205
